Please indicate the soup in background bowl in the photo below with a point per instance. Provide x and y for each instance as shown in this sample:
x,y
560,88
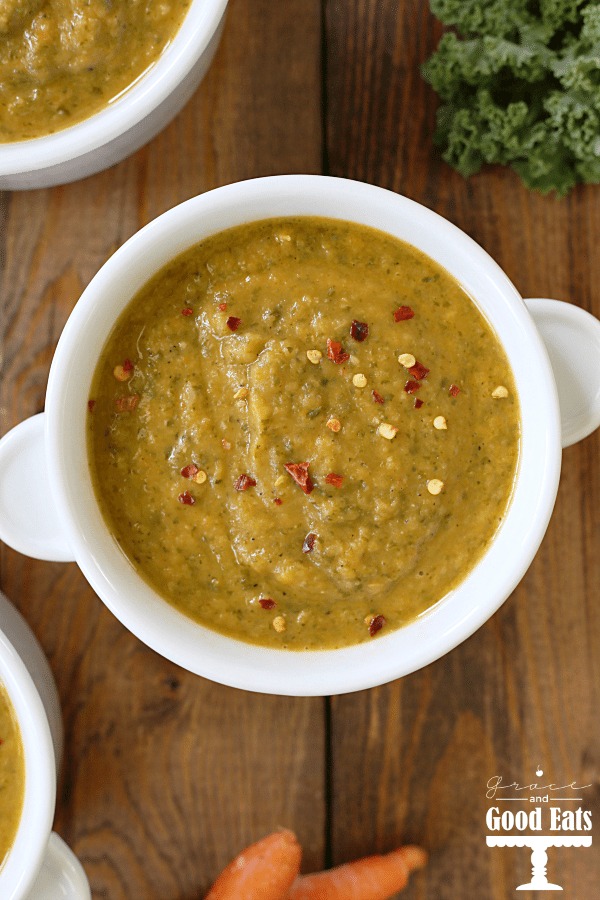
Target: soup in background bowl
x,y
12,775
86,83
61,518
34,861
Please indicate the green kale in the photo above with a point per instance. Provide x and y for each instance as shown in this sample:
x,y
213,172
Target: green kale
x,y
519,82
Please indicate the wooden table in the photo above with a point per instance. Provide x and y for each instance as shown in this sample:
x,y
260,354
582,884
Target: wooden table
x,y
167,776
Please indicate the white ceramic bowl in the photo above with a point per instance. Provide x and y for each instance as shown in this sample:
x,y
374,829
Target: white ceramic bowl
x,y
55,516
131,121
39,865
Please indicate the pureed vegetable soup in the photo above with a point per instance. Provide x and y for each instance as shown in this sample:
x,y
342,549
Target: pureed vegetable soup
x,y
303,433
12,775
63,60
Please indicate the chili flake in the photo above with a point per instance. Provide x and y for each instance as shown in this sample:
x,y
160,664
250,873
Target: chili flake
x,y
376,624
190,470
335,352
91,405
411,386
187,311
419,371
127,403
267,602
377,398
418,403
299,472
334,424
233,323
454,390
222,307
186,498
359,330
244,482
335,480
309,542
277,501
403,313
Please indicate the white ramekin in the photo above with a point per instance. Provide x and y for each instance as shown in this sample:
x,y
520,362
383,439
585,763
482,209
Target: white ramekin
x,y
55,515
39,865
131,121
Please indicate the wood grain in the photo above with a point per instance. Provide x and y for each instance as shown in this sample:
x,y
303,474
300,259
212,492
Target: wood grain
x,y
524,690
167,776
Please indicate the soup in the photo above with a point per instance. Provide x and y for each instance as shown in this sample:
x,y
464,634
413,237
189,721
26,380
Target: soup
x,y
12,775
61,61
303,433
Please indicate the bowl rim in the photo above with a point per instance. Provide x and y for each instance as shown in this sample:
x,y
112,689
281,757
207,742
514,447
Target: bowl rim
x,y
25,856
134,104
258,668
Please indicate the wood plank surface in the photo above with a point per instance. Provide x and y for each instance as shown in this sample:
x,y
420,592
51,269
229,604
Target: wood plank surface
x,y
166,775
524,690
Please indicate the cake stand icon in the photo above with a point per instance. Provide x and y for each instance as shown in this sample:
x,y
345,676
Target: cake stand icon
x,y
539,844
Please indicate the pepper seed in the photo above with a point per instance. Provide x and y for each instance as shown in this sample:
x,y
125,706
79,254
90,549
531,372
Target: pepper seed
x,y
435,486
500,393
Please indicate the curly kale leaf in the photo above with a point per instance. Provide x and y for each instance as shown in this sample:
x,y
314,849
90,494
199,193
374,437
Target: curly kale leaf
x,y
521,89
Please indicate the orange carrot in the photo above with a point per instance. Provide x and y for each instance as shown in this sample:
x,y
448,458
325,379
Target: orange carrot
x,y
263,871
371,878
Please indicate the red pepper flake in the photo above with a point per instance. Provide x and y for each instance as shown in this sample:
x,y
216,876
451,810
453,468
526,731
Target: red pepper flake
x,y
411,387
403,313
335,480
244,482
277,501
190,471
454,390
419,371
91,405
377,398
186,498
376,624
127,403
267,602
359,330
309,542
335,352
418,403
127,366
187,311
233,323
299,472
223,307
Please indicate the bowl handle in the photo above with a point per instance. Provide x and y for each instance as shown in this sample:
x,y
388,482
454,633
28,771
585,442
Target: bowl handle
x,y
29,520
61,875
572,339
